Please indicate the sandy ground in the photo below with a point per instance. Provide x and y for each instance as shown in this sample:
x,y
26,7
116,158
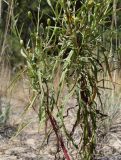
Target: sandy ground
x,y
109,148
26,146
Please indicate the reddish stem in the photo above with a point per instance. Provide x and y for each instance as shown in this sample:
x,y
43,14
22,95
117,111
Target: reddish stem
x,y
55,128
64,149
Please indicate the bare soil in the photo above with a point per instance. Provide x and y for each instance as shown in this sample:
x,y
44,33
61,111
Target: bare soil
x,y
26,146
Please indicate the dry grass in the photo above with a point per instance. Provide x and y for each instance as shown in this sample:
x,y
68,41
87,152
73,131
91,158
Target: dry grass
x,y
110,99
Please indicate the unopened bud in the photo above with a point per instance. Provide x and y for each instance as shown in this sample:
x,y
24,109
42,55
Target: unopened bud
x,y
48,22
29,14
21,42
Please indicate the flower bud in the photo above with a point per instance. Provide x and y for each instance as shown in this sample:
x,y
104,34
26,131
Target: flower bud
x,y
21,42
48,22
29,14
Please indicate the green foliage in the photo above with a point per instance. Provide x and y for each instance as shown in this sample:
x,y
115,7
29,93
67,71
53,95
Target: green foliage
x,y
66,54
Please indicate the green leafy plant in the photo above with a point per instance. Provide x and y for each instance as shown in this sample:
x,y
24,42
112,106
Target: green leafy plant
x,y
66,55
